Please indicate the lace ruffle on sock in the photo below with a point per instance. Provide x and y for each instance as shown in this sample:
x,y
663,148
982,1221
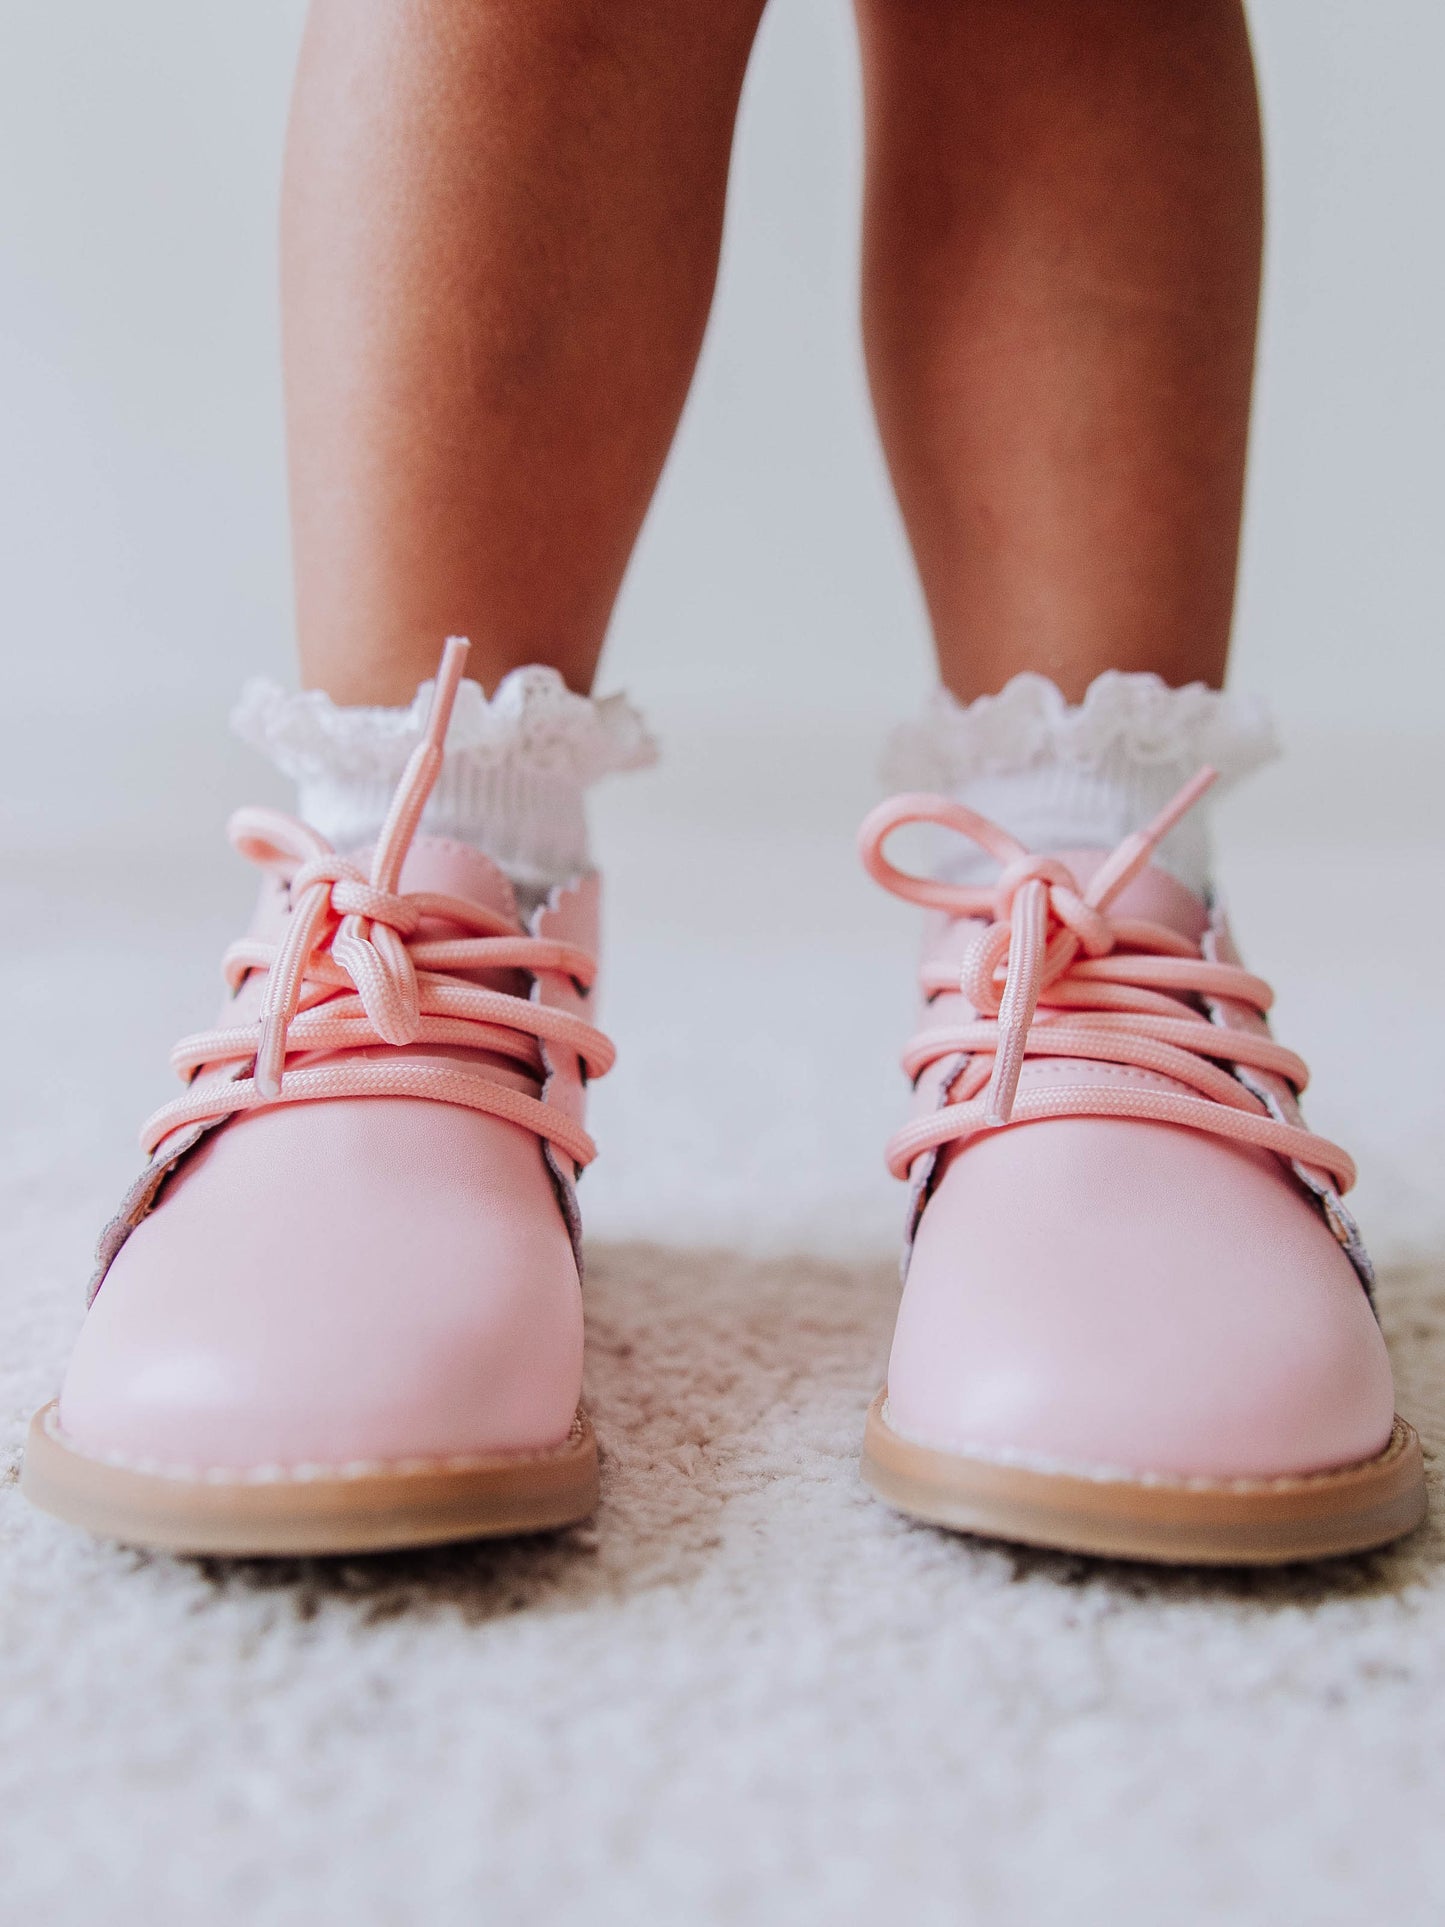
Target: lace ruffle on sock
x,y
1082,776
517,765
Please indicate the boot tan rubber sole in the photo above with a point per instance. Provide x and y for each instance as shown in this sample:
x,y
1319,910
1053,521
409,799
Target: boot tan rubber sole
x,y
1257,1522
306,1509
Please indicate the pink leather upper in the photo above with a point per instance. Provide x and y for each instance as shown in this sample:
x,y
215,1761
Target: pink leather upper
x,y
356,1241
365,1278
1127,1296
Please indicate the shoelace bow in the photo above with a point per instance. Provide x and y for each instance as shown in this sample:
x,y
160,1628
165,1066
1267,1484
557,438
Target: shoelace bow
x,y
354,971
1053,974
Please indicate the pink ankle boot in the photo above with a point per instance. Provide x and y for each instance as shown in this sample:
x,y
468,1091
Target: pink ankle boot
x,y
340,1309
1136,1315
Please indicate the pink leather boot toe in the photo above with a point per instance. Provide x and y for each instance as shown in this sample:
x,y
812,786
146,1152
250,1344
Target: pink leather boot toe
x,y
341,1307
1136,1315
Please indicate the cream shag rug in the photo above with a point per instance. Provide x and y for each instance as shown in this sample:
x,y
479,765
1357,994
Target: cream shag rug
x,y
747,1692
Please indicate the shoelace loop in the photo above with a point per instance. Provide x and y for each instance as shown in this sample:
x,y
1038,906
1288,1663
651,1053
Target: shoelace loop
x,y
1053,973
356,968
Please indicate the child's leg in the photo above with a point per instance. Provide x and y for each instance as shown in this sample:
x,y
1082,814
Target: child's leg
x,y
1062,273
500,236
501,231
1061,281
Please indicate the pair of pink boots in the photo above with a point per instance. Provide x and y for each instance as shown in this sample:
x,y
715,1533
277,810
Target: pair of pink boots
x,y
341,1308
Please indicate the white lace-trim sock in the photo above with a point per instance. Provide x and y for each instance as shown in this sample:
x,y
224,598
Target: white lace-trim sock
x,y
1062,776
516,771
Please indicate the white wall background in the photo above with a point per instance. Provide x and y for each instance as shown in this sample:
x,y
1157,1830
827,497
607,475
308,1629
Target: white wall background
x,y
143,565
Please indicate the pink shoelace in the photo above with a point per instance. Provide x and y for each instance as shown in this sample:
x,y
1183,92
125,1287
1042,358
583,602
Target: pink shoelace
x,y
1053,974
355,970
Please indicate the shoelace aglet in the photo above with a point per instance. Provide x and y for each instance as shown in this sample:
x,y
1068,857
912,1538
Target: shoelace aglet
x,y
275,1023
1136,850
270,1056
422,769
1022,982
1013,1038
1008,1067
